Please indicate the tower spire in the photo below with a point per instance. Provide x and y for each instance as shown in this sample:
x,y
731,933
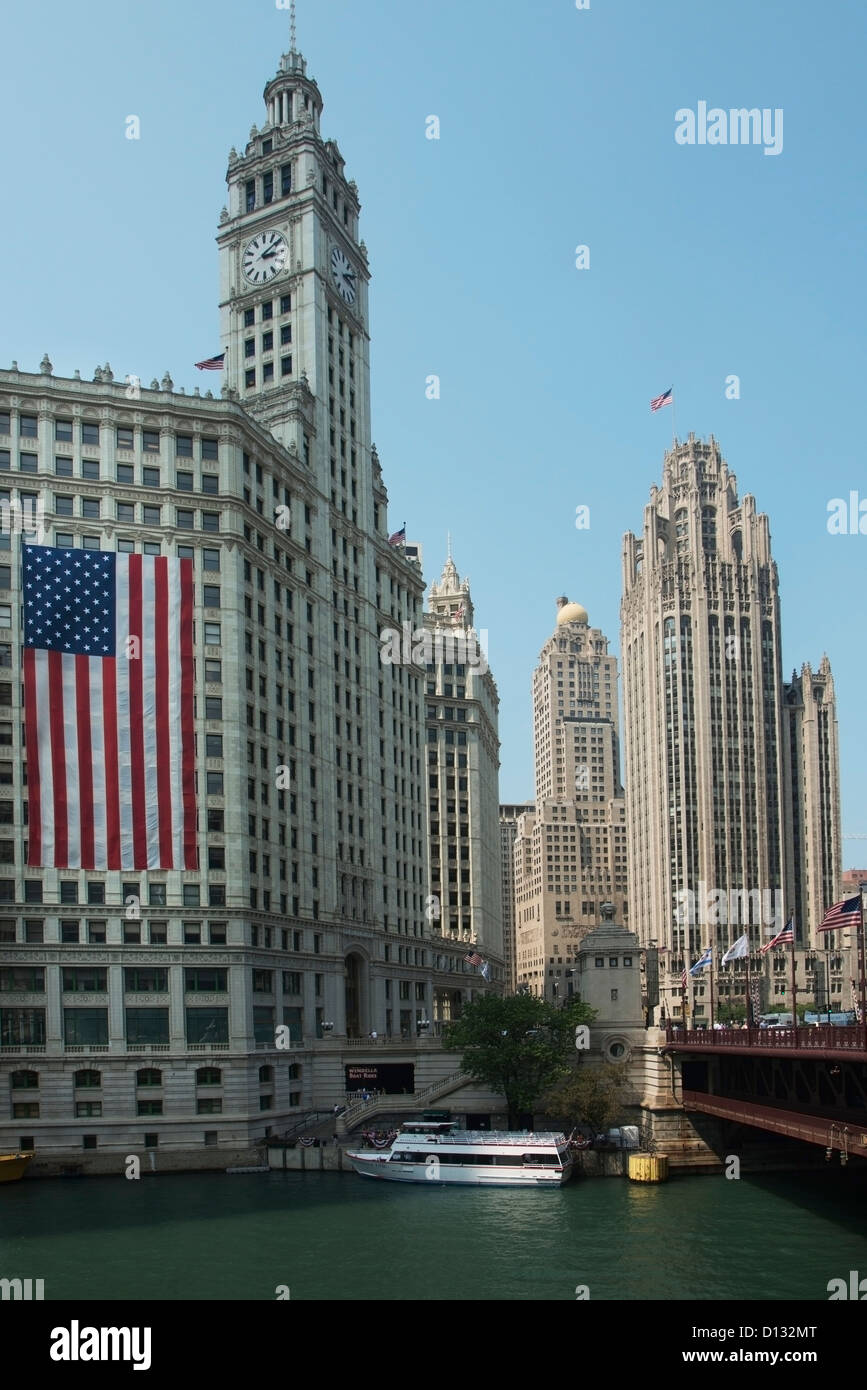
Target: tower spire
x,y
292,33
449,543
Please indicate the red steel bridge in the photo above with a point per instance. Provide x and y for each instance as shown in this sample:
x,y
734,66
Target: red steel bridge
x,y
807,1083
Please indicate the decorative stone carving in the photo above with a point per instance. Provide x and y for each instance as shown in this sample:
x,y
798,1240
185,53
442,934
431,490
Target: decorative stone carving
x,y
45,366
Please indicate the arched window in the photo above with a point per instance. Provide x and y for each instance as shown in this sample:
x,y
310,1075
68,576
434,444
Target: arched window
x,y
149,1076
88,1079
24,1080
266,1074
209,1076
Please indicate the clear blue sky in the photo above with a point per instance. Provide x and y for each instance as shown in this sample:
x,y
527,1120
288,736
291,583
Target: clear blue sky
x,y
557,129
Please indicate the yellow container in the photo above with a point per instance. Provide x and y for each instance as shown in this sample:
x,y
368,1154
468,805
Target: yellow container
x,y
648,1168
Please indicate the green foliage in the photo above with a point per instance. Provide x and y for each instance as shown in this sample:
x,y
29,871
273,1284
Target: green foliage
x,y
731,1013
589,1096
517,1045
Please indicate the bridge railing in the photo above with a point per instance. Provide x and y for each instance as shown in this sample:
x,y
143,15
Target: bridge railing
x,y
820,1038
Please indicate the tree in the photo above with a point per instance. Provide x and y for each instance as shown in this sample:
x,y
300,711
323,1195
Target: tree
x,y
731,1012
591,1097
517,1045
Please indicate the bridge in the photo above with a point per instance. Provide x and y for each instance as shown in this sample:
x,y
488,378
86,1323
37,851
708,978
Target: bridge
x,y
807,1083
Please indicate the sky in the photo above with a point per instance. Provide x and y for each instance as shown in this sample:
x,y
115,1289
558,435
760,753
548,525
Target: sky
x,y
557,130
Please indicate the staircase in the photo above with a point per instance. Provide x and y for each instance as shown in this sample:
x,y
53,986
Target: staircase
x,y
365,1110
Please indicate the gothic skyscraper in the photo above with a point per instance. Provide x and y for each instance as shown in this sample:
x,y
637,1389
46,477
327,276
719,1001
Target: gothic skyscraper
x,y
710,730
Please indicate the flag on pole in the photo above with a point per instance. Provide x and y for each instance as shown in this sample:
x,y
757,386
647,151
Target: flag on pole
x,y
399,537
212,364
473,958
666,398
108,710
784,938
485,970
842,914
705,959
738,950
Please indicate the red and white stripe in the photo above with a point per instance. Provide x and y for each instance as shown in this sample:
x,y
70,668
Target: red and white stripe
x,y
111,783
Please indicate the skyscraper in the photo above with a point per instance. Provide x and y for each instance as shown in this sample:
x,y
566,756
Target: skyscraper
x,y
463,756
509,816
570,850
142,1008
717,829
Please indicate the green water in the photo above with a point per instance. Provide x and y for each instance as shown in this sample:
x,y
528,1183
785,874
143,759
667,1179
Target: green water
x,y
333,1236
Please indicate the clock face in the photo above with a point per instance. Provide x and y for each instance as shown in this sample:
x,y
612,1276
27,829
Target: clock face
x,y
343,275
264,257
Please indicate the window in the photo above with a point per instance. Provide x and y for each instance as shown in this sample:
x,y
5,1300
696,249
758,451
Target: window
x,y
157,894
184,482
150,441
150,477
85,1027
125,474
210,521
96,933
184,446
90,469
250,377
86,979
28,427
192,934
185,519
87,1080
126,512
214,672
62,504
209,448
147,1027
62,467
211,595
209,1076
191,893
24,1080
125,438
263,981
145,979
90,507
22,1027
214,783
152,516
25,1110
210,559
63,430
212,635
89,432
149,1107
22,979
285,189
207,1026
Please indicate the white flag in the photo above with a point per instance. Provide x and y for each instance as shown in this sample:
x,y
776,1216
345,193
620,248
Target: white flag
x,y
739,949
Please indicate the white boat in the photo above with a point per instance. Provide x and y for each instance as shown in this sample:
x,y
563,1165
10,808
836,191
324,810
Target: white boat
x,y
425,1151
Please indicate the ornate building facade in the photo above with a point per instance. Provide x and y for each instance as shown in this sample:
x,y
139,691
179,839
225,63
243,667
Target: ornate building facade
x,y
732,777
143,1009
570,850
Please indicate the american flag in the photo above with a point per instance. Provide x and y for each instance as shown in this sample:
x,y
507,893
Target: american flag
x,y
108,710
842,914
212,364
665,399
473,958
399,537
784,938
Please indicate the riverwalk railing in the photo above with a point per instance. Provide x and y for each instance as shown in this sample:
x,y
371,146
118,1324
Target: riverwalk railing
x,y
806,1038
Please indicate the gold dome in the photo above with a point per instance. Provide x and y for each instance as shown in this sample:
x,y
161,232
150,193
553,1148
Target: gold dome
x,y
572,613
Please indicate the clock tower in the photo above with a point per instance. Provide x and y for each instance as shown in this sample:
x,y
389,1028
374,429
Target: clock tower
x,y
294,282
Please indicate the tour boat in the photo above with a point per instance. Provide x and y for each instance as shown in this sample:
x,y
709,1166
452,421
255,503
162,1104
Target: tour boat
x,y
14,1166
440,1152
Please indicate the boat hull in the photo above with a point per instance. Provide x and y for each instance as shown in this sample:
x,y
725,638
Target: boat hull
x,y
14,1166
459,1175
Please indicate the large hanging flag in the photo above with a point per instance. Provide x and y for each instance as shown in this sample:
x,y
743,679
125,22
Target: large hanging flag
x,y
784,938
842,914
738,949
108,710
